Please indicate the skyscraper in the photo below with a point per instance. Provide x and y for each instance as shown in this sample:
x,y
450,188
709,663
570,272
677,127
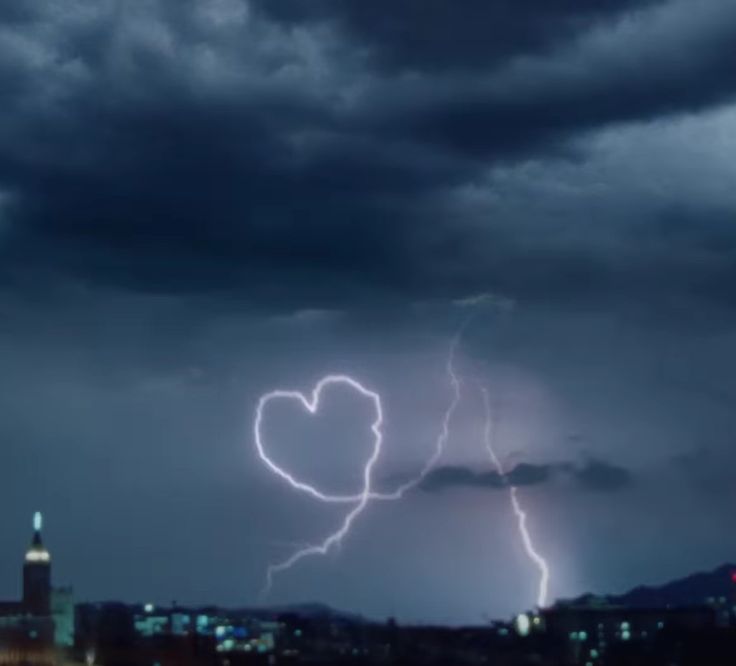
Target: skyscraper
x,y
27,627
37,573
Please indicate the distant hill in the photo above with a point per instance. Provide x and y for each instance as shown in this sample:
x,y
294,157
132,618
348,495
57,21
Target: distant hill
x,y
691,590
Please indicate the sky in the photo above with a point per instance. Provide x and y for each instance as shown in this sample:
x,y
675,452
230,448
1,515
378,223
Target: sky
x,y
201,201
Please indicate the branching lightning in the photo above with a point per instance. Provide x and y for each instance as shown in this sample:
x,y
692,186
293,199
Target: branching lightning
x,y
367,494
312,408
362,499
444,435
519,512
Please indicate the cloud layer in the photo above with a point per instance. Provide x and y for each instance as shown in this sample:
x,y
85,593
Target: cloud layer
x,y
594,475
302,155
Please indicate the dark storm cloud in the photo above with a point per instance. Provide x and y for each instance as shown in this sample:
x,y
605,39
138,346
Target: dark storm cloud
x,y
601,475
286,155
436,35
535,104
442,478
594,475
522,102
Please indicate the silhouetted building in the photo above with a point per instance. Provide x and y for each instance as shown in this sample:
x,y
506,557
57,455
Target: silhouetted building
x,y
37,574
595,630
32,628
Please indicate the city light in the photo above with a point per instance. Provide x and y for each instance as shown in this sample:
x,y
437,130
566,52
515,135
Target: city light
x,y
35,555
523,625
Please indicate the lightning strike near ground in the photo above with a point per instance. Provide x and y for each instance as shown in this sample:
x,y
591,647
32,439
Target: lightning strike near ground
x,y
521,515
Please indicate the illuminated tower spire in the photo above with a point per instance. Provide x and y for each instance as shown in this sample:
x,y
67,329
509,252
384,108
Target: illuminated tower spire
x,y
37,572
37,552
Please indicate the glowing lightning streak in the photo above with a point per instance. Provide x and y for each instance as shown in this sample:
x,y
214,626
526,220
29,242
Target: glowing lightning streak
x,y
521,515
312,406
331,379
367,493
444,431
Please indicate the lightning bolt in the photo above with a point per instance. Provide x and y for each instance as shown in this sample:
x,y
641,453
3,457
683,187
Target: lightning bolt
x,y
521,515
312,406
362,499
444,435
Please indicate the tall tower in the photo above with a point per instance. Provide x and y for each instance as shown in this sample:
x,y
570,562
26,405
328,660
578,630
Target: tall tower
x,y
37,573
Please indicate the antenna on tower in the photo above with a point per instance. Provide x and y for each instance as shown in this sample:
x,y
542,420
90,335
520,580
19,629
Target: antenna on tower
x,y
37,521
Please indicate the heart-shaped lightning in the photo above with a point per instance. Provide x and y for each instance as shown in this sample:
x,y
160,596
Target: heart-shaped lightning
x,y
367,493
361,500
312,406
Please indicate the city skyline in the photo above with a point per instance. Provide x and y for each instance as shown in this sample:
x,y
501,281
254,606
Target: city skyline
x,y
696,591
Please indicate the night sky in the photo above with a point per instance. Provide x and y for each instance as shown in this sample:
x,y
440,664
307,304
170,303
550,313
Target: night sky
x,y
203,200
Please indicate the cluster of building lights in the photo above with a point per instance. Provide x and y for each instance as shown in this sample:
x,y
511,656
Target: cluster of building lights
x,y
230,635
524,624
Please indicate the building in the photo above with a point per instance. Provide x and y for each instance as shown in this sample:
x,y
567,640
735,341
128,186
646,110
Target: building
x,y
33,628
597,632
62,612
37,573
